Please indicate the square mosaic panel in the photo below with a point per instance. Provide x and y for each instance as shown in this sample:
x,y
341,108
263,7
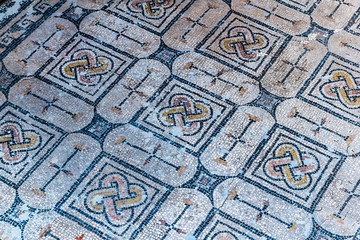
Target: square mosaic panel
x,y
221,227
243,44
24,143
152,15
184,114
293,168
113,198
86,68
334,88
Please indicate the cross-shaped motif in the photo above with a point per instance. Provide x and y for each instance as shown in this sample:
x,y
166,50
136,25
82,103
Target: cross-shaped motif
x,y
188,203
234,196
51,103
42,45
196,22
351,194
294,65
42,190
252,119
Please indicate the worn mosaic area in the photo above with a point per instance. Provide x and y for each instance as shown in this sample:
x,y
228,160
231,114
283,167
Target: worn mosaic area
x,y
180,119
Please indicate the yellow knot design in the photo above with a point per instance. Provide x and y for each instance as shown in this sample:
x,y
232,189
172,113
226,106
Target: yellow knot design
x,y
292,166
343,87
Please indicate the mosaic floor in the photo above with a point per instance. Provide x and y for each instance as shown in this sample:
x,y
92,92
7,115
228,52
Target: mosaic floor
x,y
180,119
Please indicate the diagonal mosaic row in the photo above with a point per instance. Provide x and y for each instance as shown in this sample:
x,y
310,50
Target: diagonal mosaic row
x,y
180,119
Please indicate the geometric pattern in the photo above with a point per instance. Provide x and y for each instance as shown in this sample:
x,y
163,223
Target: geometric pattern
x,y
192,125
114,197
24,143
339,99
243,44
179,119
90,77
293,168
